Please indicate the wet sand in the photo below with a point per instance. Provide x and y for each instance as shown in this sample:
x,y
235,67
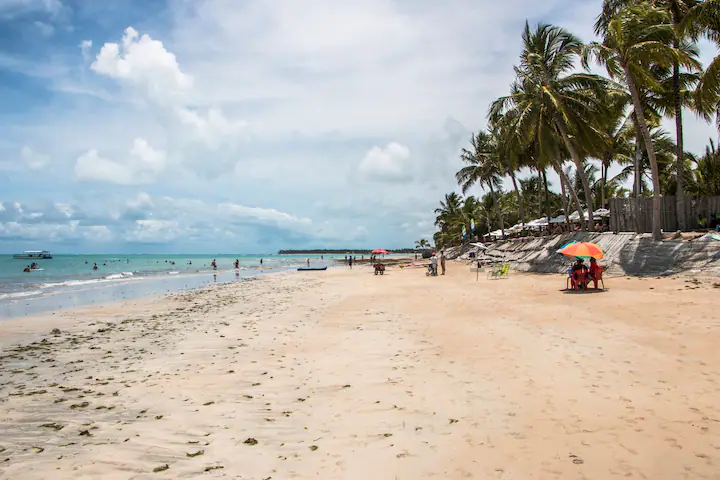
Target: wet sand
x,y
343,374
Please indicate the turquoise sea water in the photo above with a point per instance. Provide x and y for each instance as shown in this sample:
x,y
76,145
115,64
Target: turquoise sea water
x,y
66,272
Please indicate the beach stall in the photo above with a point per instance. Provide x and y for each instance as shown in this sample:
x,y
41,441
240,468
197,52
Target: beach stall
x,y
537,224
496,234
379,266
602,212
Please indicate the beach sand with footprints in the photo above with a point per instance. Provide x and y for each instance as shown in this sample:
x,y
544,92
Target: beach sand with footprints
x,y
346,375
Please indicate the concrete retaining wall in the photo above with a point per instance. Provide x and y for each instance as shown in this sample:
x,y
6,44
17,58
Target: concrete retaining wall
x,y
628,254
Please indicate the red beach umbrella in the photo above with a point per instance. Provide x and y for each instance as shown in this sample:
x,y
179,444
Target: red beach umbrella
x,y
380,251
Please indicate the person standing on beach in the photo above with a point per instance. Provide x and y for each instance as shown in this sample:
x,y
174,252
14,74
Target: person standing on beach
x,y
442,261
350,261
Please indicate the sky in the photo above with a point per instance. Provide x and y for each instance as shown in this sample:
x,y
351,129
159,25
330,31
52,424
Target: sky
x,y
203,126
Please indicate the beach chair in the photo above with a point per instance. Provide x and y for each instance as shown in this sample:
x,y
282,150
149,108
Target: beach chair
x,y
494,272
504,271
582,280
499,271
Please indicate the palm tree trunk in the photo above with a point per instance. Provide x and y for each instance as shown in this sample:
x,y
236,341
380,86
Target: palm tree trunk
x,y
539,193
637,181
547,194
566,200
499,212
573,195
580,170
679,153
605,165
650,149
521,201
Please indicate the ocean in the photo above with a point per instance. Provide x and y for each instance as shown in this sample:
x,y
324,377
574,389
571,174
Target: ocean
x,y
69,280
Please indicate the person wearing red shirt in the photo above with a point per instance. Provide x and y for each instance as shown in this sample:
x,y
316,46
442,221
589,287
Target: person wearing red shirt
x,y
595,271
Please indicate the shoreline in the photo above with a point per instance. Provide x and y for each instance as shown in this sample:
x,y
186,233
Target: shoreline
x,y
343,374
100,292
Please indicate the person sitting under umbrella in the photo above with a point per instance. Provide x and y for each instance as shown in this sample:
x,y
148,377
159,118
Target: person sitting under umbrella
x,y
595,272
579,273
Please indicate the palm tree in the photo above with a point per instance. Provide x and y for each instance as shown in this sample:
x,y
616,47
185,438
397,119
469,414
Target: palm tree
x,y
449,212
545,92
636,38
679,11
513,156
511,161
617,147
703,19
422,243
484,167
706,175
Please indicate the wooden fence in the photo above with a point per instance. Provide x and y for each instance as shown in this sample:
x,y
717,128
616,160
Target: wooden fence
x,y
625,212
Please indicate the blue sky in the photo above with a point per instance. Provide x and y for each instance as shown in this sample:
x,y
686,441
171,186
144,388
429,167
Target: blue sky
x,y
249,126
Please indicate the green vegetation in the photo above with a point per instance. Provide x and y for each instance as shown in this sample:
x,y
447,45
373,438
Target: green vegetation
x,y
580,124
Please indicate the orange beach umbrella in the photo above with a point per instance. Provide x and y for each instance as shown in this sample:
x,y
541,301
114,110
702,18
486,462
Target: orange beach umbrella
x,y
583,250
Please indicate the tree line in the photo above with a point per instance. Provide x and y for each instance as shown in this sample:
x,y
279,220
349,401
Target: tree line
x,y
561,117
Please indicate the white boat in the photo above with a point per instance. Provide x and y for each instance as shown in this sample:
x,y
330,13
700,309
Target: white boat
x,y
33,255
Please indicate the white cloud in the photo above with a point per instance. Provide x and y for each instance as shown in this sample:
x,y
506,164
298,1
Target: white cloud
x,y
142,166
65,209
263,214
145,64
34,160
38,231
85,47
390,164
213,127
143,200
8,7
154,231
98,233
45,28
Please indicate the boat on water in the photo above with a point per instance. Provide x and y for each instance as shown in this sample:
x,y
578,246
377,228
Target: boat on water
x,y
33,255
312,269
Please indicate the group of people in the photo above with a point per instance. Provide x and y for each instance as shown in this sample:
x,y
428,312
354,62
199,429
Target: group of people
x,y
31,267
581,274
712,223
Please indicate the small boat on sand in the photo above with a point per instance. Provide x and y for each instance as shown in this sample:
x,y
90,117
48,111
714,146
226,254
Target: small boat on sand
x,y
311,269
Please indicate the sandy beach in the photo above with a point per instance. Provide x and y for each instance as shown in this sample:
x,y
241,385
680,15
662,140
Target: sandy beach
x,y
347,375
